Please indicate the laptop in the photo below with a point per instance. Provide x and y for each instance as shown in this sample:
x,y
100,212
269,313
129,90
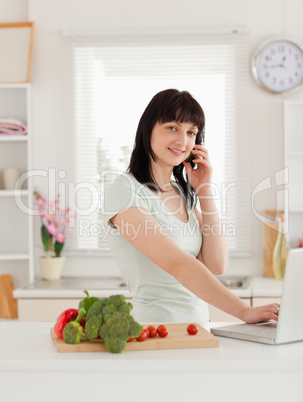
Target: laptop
x,y
289,327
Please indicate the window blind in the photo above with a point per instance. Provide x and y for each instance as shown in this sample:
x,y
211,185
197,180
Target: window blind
x,y
113,79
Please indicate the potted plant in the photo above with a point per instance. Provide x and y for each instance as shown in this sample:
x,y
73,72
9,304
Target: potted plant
x,y
54,225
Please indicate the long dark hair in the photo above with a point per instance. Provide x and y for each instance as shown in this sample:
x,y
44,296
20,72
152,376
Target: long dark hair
x,y
165,106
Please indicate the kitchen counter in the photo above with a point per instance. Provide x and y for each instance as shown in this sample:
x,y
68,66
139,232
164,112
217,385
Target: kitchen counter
x,y
32,369
72,287
266,287
55,296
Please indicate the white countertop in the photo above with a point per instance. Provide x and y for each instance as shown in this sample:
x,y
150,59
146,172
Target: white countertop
x,y
243,370
72,287
35,350
266,287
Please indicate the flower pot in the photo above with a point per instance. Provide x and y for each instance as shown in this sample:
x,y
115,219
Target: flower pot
x,y
51,267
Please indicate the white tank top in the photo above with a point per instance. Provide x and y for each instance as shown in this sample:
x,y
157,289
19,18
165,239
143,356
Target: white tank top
x,y
157,295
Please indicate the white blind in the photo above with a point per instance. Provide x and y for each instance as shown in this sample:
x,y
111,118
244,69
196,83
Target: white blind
x,y
114,78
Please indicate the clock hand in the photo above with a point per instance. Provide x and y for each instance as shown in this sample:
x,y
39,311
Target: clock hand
x,y
283,60
277,64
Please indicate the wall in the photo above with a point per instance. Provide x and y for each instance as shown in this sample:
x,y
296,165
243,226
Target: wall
x,y
264,19
13,10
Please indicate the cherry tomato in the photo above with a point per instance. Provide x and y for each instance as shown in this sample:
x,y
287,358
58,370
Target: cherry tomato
x,y
147,331
192,329
152,331
130,339
142,336
162,331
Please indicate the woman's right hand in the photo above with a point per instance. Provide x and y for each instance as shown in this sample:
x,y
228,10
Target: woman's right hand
x,y
253,315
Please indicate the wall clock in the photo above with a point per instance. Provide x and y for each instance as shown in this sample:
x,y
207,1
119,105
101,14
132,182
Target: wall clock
x,y
277,65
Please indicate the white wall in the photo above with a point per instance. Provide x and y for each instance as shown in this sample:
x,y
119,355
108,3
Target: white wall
x,y
264,19
13,10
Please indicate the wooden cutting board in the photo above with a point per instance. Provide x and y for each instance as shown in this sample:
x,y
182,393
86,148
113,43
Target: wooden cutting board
x,y
177,338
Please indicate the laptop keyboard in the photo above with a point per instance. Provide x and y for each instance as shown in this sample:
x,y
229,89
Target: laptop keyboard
x,y
267,330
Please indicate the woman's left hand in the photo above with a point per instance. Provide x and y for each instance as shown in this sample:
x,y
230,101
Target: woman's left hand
x,y
199,177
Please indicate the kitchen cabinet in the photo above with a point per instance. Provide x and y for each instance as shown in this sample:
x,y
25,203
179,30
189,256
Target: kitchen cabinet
x,y
46,310
261,301
16,231
45,300
217,315
293,153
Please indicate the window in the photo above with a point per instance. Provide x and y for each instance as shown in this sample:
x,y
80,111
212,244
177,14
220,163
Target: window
x,y
115,78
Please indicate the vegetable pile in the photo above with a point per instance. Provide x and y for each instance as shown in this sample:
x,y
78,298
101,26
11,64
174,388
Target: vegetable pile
x,y
107,318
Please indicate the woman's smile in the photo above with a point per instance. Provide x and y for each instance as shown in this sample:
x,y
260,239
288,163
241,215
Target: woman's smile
x,y
176,152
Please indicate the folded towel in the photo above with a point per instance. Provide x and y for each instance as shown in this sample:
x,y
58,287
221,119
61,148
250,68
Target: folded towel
x,y
12,127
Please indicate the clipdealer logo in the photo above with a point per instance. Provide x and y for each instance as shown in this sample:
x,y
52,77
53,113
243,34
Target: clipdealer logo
x,y
282,195
95,196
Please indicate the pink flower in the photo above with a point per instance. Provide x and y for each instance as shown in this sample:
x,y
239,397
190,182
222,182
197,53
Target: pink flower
x,y
60,237
41,202
50,217
42,212
55,223
64,222
51,228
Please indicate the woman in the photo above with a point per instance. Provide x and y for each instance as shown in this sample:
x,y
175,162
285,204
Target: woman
x,y
165,247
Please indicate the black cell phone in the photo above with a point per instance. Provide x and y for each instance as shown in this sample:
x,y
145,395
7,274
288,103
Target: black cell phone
x,y
192,156
190,159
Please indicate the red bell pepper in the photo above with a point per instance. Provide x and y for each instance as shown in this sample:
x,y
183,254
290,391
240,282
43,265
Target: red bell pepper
x,y
64,318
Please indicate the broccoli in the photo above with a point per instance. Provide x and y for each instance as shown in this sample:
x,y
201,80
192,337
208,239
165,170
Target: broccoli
x,y
92,326
116,331
96,308
73,331
111,319
135,329
126,308
115,345
116,300
117,325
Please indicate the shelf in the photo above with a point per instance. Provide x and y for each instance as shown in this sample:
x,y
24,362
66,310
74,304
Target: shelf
x,y
14,85
12,193
13,138
295,209
12,257
16,248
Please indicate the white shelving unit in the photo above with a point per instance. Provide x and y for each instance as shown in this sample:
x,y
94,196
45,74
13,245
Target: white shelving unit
x,y
293,143
16,230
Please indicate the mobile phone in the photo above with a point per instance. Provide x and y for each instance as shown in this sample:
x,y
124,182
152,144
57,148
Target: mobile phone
x,y
192,156
203,137
190,159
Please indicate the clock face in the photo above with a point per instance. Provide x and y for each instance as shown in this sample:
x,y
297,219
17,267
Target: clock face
x,y
278,66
